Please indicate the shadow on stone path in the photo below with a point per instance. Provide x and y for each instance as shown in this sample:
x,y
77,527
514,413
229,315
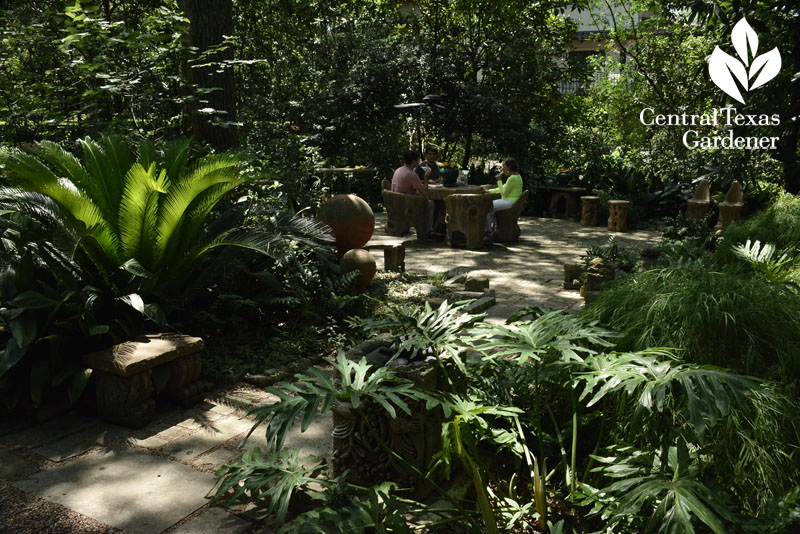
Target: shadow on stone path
x,y
140,481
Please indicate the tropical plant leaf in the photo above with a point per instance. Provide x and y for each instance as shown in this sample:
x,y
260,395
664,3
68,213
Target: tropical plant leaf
x,y
269,480
659,383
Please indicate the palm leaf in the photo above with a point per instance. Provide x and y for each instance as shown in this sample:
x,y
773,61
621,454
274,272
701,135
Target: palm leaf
x,y
176,157
108,167
173,214
27,171
138,212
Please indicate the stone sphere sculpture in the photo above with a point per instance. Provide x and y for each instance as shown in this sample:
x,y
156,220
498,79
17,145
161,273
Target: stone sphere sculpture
x,y
359,260
351,220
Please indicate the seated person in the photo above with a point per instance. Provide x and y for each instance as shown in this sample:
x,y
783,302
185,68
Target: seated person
x,y
433,177
406,181
509,192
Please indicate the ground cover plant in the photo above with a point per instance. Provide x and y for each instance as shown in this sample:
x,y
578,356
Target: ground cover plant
x,y
542,434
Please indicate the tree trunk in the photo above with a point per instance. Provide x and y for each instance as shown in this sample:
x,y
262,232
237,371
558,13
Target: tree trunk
x,y
209,22
788,143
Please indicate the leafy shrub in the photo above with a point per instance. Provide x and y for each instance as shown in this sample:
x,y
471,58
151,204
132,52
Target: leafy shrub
x,y
112,230
716,317
624,258
779,224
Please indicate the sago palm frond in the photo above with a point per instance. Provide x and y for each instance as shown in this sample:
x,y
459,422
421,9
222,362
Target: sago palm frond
x,y
108,165
138,212
32,174
181,197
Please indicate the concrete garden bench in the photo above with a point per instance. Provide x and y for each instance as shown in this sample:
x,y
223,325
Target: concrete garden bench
x,y
126,376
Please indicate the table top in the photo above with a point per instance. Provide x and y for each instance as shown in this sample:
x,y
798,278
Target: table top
x,y
439,192
564,189
344,169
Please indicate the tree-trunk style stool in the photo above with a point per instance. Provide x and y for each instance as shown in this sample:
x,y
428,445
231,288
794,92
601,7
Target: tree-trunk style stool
x,y
573,272
405,211
126,376
697,207
618,215
508,220
394,257
466,215
731,209
590,210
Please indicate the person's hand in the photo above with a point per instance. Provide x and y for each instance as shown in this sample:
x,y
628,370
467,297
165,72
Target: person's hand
x,y
499,177
428,172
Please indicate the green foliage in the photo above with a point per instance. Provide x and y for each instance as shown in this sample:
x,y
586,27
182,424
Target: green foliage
x,y
778,269
375,509
268,481
668,485
779,224
716,317
555,334
622,257
437,329
656,379
315,393
154,209
81,67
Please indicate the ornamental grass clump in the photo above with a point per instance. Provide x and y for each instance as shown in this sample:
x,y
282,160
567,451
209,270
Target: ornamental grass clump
x,y
717,317
779,224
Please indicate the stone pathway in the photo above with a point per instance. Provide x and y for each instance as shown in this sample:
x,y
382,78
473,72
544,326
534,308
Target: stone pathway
x,y
529,272
83,475
144,481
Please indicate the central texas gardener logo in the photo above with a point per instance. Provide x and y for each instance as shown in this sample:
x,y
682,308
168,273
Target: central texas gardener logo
x,y
726,70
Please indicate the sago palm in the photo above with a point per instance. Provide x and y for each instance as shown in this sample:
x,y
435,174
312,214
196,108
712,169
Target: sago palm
x,y
146,211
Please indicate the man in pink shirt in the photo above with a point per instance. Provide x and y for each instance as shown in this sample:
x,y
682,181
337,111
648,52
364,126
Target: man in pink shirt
x,y
406,181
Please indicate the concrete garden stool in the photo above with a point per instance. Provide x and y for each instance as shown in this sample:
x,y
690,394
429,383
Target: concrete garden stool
x,y
697,207
618,215
590,210
731,209
126,376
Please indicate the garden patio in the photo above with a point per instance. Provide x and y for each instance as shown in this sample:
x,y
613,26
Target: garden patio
x,y
209,222
76,473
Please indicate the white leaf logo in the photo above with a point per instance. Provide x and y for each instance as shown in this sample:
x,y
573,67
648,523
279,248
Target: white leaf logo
x,y
725,70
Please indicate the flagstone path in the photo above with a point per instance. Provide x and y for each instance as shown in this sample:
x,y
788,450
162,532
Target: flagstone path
x,y
80,475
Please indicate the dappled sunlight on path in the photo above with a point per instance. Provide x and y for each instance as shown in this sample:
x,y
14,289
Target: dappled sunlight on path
x,y
529,272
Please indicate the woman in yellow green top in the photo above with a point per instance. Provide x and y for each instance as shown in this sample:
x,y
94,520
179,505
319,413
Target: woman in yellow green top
x,y
510,191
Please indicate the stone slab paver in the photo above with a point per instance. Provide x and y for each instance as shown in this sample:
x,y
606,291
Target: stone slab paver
x,y
217,458
50,431
80,442
153,442
214,520
175,432
317,440
128,489
208,438
15,467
